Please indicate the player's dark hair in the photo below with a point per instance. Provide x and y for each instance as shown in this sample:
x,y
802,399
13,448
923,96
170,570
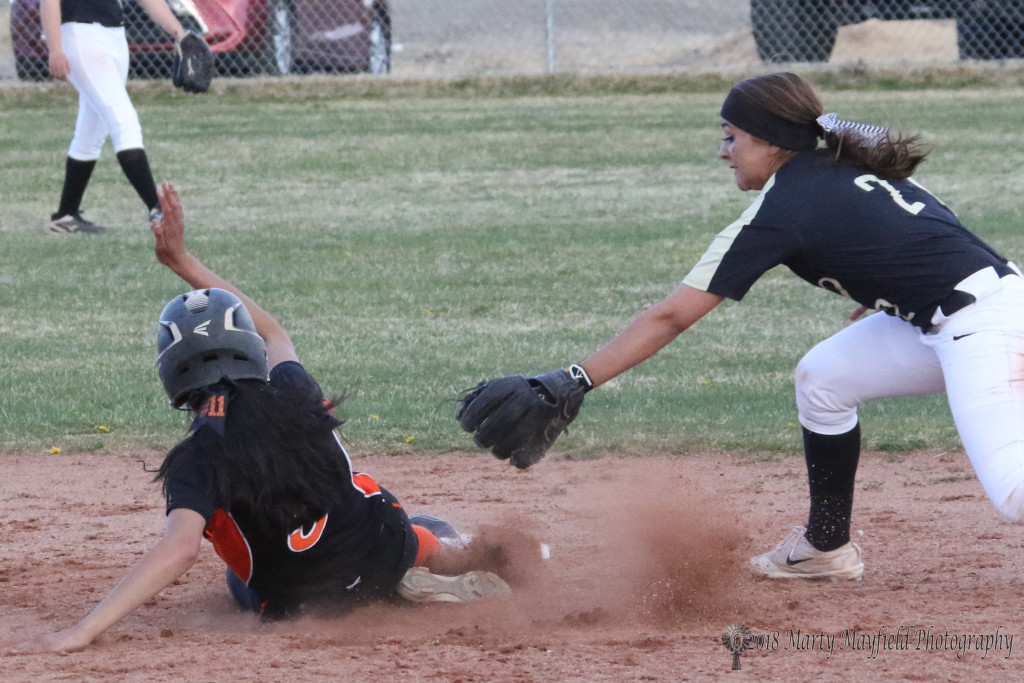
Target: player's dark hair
x,y
889,158
270,465
790,97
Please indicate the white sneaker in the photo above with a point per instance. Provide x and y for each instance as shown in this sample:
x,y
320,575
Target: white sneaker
x,y
796,558
421,585
72,223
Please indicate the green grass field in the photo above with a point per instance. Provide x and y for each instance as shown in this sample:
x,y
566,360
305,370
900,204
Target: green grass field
x,y
416,240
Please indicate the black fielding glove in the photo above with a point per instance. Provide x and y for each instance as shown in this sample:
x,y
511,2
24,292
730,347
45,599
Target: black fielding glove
x,y
193,64
519,418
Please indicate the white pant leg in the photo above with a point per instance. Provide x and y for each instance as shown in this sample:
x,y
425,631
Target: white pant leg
x,y
99,70
982,353
879,356
90,133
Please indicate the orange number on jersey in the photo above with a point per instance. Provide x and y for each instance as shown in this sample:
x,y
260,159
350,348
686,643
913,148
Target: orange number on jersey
x,y
299,540
214,407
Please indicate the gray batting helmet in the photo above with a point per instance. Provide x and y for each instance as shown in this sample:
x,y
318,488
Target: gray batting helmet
x,y
206,336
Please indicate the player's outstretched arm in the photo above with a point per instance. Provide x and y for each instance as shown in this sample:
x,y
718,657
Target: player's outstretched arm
x,y
519,418
651,331
174,555
169,231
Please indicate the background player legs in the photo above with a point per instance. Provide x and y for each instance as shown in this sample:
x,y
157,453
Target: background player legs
x,y
99,71
135,165
76,178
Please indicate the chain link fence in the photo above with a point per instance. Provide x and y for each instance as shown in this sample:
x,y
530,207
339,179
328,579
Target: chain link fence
x,y
248,37
806,30
462,38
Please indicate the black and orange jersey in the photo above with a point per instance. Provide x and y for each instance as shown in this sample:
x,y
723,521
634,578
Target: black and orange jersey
x,y
889,245
359,550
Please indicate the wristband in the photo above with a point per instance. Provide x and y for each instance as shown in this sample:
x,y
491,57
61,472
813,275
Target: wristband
x,y
582,378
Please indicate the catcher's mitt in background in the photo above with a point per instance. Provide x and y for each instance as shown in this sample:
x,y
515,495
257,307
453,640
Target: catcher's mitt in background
x,y
193,64
519,418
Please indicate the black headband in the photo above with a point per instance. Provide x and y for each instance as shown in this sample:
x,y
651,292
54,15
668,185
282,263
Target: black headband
x,y
741,111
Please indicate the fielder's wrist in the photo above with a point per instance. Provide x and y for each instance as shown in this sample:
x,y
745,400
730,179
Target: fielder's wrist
x,y
582,378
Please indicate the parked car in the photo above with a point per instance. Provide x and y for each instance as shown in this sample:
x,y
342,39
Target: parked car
x,y
247,36
805,30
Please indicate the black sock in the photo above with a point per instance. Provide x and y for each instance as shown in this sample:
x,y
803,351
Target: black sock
x,y
76,178
135,165
831,471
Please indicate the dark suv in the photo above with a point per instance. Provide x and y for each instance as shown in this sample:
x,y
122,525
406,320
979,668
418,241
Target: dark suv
x,y
805,30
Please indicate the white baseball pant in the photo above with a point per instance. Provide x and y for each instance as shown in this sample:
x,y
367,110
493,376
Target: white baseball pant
x,y
976,356
98,56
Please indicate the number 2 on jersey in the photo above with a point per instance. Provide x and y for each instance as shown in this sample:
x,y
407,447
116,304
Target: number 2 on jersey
x,y
864,183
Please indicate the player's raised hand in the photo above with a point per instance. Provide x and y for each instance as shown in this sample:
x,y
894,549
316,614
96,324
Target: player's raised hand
x,y
169,228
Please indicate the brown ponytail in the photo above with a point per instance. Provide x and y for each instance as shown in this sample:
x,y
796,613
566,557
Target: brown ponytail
x,y
788,98
887,157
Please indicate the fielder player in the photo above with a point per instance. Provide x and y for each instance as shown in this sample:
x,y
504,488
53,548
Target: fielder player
x,y
87,46
264,477
848,218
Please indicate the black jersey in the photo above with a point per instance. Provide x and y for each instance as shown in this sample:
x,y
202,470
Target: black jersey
x,y
106,12
359,550
888,245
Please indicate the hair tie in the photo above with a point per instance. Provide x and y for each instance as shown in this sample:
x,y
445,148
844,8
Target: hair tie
x,y
830,123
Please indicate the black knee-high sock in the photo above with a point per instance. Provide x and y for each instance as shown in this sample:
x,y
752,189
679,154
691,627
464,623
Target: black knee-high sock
x,y
76,178
135,165
831,471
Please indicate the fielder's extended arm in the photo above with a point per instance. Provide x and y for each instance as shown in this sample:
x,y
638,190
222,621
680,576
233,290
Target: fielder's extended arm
x,y
650,332
519,418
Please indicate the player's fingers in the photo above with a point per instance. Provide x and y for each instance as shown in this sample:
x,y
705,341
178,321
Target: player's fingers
x,y
170,204
172,194
165,192
29,647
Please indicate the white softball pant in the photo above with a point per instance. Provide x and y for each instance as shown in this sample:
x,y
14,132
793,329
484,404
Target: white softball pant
x,y
976,356
98,56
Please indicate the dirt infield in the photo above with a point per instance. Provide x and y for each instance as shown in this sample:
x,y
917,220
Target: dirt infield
x,y
646,569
